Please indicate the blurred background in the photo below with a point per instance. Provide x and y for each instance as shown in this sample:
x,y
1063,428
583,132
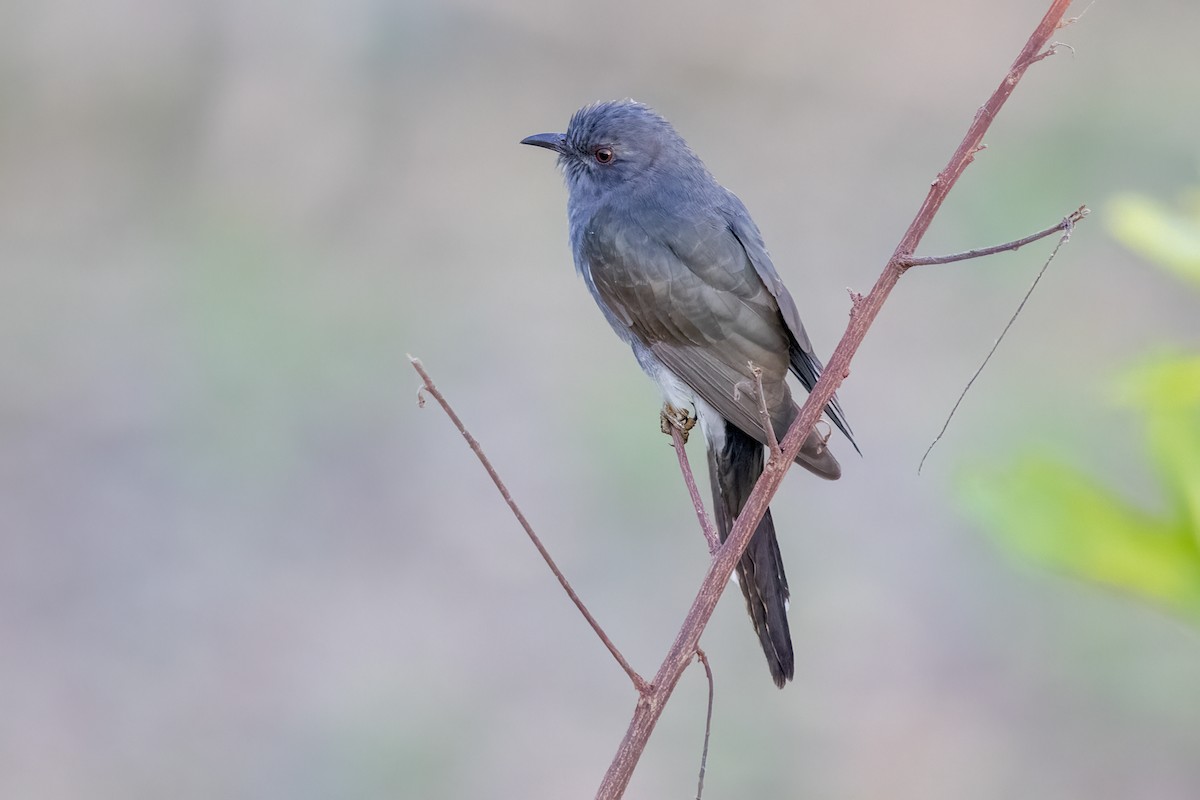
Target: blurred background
x,y
236,560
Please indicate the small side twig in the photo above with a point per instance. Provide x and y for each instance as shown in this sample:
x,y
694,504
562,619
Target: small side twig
x,y
1065,225
772,439
703,659
710,533
427,385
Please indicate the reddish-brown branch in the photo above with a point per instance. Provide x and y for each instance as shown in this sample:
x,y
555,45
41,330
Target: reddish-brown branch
x,y
1065,225
710,533
863,313
427,385
768,424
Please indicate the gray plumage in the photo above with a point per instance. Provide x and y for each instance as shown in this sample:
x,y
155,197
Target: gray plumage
x,y
680,271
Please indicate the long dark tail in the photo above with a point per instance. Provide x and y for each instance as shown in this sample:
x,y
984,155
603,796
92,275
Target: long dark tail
x,y
733,468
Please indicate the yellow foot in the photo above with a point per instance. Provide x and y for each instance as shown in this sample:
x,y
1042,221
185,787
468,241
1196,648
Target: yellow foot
x,y
676,419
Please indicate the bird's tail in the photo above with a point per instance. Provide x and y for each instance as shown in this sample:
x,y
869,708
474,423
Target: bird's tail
x,y
734,465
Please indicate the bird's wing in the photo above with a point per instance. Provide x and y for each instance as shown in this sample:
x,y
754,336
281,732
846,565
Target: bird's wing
x,y
804,362
688,293
736,400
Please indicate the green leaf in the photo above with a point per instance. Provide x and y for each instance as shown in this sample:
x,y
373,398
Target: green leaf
x,y
1055,515
1167,390
1157,233
1049,512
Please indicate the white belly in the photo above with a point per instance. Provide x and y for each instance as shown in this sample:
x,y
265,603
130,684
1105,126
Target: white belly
x,y
680,395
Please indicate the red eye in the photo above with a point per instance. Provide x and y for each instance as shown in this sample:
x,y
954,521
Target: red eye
x,y
604,155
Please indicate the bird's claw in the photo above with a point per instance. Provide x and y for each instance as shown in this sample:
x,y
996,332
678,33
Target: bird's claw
x,y
676,419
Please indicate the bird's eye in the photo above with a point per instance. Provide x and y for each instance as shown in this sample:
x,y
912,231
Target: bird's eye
x,y
603,155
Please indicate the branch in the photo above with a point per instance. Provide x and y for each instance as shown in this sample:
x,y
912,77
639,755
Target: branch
x,y
1065,225
703,659
768,425
427,385
710,533
863,313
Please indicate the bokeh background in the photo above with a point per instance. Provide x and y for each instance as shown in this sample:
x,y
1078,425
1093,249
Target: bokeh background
x,y
236,560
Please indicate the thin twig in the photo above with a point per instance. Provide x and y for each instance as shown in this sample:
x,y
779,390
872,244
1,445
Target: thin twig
x,y
703,659
710,533
648,710
772,440
639,683
1066,224
1077,17
1067,227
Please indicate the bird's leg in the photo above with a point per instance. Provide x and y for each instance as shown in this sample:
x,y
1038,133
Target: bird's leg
x,y
679,419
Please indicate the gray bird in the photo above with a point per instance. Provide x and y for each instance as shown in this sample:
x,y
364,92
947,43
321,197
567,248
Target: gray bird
x,y
680,271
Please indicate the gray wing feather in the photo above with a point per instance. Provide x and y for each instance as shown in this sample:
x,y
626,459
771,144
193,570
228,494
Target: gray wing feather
x,y
693,299
750,238
804,362
731,394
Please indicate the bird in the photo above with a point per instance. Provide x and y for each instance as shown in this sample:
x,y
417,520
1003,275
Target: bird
x,y
680,271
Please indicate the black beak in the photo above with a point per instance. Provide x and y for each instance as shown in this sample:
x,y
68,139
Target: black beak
x,y
550,141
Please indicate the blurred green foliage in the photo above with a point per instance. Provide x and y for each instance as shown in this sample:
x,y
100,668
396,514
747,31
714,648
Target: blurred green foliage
x,y
1048,511
1160,234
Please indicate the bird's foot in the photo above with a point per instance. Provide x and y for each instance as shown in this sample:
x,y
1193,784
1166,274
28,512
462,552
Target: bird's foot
x,y
676,419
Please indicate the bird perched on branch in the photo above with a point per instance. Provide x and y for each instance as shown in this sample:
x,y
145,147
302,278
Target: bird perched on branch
x,y
680,271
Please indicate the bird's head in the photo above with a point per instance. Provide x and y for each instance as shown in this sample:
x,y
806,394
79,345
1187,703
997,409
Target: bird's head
x,y
616,142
